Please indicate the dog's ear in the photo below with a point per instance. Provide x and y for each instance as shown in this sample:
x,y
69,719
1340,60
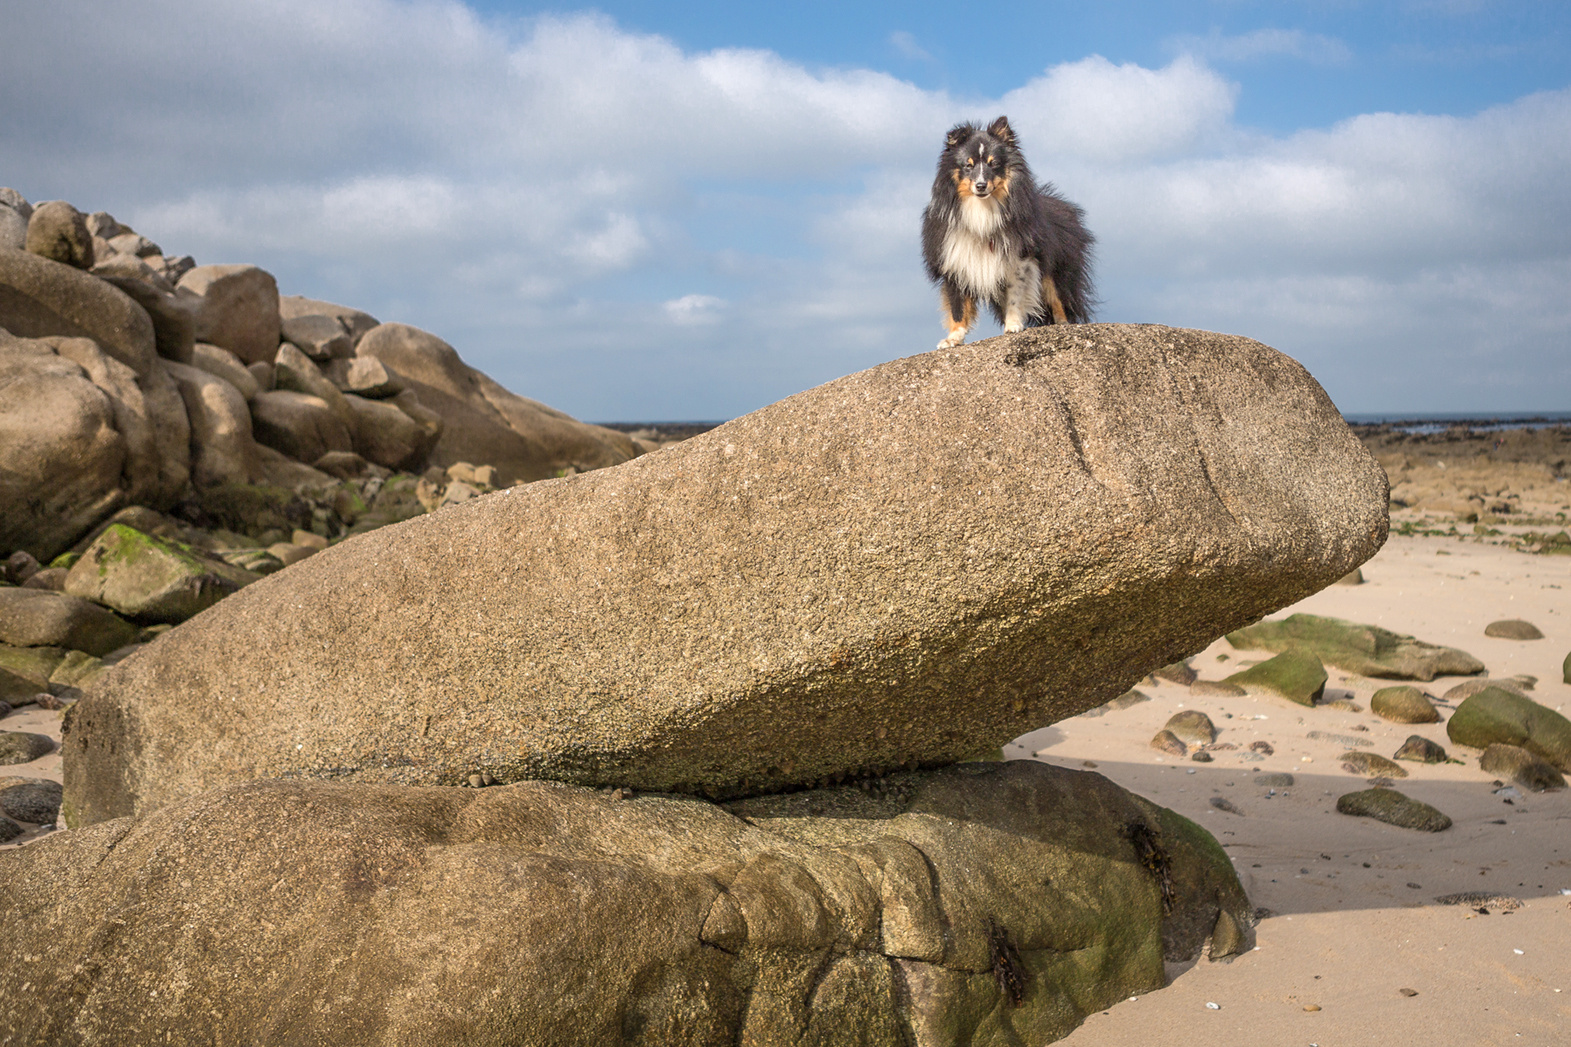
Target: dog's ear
x,y
1000,129
959,133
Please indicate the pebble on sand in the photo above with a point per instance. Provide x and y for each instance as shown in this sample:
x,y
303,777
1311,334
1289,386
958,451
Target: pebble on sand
x,y
1393,808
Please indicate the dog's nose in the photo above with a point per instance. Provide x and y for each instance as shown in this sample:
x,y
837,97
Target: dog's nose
x,y
980,189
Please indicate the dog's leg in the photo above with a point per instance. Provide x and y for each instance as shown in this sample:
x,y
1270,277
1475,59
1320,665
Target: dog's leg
x,y
959,311
1023,298
1054,303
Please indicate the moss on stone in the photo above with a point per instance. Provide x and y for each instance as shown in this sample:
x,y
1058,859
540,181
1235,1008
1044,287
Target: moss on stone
x,y
1365,649
1393,808
1296,674
1495,714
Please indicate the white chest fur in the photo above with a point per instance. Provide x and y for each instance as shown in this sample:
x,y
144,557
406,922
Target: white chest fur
x,y
973,253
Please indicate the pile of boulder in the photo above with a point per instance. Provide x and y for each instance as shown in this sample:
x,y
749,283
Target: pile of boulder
x,y
694,749
132,378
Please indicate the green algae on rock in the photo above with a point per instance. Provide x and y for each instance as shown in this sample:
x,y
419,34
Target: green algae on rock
x,y
1296,674
1403,704
1495,714
150,578
1364,649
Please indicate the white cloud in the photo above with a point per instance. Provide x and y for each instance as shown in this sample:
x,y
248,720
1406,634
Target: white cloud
x,y
539,195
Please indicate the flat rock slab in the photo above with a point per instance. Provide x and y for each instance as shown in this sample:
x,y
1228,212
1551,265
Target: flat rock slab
x,y
547,914
910,565
1364,649
1393,808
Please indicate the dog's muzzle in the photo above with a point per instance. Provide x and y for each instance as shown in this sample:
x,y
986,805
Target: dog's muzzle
x,y
979,188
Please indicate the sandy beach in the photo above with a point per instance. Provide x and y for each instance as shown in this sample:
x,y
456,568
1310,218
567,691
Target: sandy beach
x,y
1356,949
1353,947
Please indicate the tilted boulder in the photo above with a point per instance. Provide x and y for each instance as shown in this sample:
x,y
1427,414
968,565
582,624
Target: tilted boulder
x,y
319,337
985,904
352,322
220,362
483,422
39,298
913,564
173,316
236,307
385,435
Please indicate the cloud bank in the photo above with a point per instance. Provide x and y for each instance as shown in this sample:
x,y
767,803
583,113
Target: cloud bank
x,y
629,231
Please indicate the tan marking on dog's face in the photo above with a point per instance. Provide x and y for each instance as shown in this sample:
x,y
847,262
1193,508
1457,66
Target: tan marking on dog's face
x,y
962,183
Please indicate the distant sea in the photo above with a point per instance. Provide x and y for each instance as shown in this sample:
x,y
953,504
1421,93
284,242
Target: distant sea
x,y
1478,421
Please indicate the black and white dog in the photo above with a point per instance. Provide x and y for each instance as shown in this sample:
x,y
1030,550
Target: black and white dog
x,y
992,233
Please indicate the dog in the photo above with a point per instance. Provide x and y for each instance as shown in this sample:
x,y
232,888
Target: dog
x,y
991,232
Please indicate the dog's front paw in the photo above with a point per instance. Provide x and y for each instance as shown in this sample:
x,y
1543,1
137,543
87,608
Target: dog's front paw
x,y
1014,327
952,341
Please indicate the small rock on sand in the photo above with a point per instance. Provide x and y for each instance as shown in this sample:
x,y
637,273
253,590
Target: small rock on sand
x,y
1295,674
1520,766
1393,808
1178,672
1192,726
1216,689
1420,750
1513,629
1351,740
1369,763
1403,704
1167,742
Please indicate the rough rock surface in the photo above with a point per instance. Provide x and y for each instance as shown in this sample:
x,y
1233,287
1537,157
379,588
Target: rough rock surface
x,y
542,913
1495,714
1420,750
483,422
1364,649
1513,629
819,587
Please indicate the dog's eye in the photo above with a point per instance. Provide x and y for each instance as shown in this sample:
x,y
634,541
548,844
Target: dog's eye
x,y
970,162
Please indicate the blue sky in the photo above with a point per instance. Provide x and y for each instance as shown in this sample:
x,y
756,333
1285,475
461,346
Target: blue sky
x,y
644,211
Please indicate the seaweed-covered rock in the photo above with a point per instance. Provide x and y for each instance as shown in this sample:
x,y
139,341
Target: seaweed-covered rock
x,y
1295,674
543,913
152,579
1370,763
1420,750
1393,808
1364,649
1495,714
1404,704
1522,766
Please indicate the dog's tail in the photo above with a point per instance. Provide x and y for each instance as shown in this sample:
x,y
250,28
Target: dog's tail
x,y
1068,256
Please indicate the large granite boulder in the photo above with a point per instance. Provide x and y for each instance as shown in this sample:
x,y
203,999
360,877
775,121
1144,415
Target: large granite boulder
x,y
61,457
987,904
352,322
483,422
236,306
222,447
39,297
302,426
912,564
